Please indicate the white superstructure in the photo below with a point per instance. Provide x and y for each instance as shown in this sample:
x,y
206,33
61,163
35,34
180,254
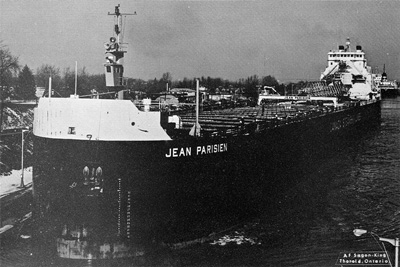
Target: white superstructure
x,y
350,68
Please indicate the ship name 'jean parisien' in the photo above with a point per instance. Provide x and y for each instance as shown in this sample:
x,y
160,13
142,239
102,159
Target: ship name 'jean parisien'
x,y
176,152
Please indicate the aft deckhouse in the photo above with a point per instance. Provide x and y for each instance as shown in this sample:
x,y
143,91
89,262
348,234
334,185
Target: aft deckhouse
x,y
355,58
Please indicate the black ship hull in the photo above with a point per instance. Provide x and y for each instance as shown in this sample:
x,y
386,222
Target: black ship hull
x,y
392,92
109,199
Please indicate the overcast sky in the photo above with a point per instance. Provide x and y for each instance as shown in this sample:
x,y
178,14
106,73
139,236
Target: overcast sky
x,y
227,39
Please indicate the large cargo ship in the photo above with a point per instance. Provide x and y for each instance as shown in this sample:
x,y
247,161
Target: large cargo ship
x,y
386,87
114,175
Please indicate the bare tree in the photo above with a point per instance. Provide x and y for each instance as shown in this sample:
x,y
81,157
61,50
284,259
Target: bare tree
x,y
8,66
44,72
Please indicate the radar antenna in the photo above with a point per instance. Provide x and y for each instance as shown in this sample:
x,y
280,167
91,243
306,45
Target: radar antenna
x,y
118,22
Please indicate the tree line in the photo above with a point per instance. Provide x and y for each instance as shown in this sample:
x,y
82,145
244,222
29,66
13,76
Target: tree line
x,y
17,82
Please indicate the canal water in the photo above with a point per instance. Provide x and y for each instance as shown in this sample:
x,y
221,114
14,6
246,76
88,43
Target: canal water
x,y
307,224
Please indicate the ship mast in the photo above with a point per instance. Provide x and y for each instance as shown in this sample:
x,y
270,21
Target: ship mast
x,y
384,75
114,68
